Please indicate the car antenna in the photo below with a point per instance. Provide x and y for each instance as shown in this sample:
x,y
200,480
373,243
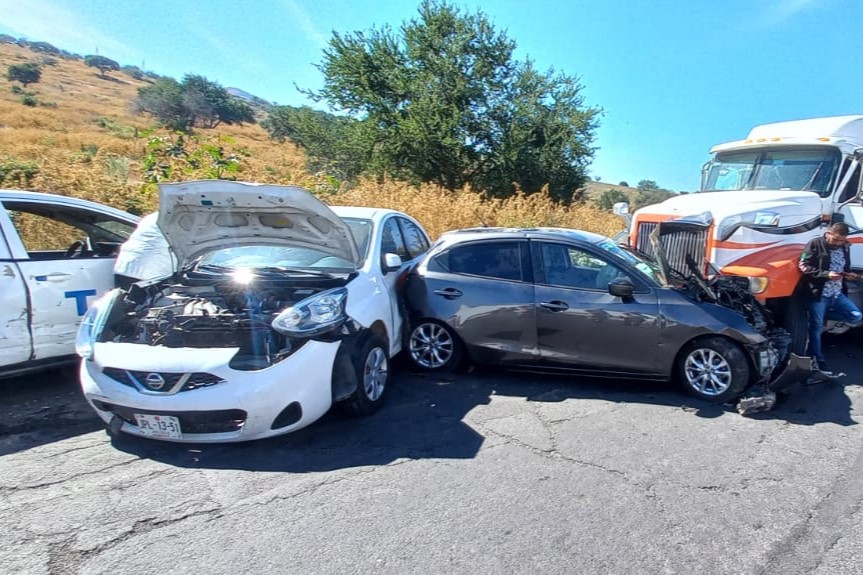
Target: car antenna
x,y
479,217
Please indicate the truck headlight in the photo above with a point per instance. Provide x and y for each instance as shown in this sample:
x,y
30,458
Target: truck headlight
x,y
314,315
757,219
93,322
758,284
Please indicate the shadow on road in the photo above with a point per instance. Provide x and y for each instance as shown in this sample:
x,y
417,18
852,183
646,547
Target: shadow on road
x,y
424,418
43,408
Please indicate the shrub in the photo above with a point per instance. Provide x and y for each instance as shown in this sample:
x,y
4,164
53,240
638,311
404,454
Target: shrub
x,y
17,172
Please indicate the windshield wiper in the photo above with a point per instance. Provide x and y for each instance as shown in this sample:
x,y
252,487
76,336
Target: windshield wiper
x,y
307,271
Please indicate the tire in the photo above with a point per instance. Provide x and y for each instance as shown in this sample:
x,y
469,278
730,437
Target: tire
x,y
796,323
372,371
713,369
433,346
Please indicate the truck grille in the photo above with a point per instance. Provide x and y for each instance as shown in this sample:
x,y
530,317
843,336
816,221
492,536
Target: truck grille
x,y
677,246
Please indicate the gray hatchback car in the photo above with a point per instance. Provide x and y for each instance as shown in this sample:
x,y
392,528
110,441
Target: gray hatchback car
x,y
566,300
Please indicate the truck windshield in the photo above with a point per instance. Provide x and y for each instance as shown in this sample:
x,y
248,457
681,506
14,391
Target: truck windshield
x,y
810,170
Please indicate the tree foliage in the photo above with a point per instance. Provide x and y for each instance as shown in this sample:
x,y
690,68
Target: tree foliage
x,y
650,193
103,63
647,185
195,101
610,197
27,73
443,100
333,144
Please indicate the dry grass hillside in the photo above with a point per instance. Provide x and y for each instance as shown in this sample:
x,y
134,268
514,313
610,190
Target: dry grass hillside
x,y
82,139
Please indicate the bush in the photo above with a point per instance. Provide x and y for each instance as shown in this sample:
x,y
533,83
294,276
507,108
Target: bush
x,y
27,73
29,100
17,172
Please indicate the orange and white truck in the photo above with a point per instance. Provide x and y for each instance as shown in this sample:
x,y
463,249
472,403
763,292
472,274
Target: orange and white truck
x,y
761,199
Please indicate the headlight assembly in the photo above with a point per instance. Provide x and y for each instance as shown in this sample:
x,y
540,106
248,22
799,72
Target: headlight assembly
x,y
93,322
757,219
314,315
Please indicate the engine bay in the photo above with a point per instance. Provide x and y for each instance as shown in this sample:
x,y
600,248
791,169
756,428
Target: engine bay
x,y
214,313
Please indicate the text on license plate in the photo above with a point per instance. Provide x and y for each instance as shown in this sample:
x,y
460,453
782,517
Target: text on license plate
x,y
159,425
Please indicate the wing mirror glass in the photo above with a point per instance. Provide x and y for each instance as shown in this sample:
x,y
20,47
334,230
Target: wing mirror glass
x,y
392,262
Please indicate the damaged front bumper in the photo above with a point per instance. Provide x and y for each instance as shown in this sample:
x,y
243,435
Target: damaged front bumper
x,y
232,405
763,397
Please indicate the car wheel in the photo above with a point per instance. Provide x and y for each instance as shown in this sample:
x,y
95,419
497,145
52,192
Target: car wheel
x,y
433,346
372,370
714,369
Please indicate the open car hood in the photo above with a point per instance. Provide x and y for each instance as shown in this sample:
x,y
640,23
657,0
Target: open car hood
x,y
202,216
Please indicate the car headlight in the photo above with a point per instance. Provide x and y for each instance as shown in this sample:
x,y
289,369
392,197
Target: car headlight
x,y
314,315
93,322
760,218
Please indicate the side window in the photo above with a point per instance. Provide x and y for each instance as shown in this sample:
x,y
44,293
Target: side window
x,y
39,233
49,231
391,240
567,266
500,260
414,238
850,190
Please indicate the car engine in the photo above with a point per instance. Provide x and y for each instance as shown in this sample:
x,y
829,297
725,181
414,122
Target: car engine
x,y
222,313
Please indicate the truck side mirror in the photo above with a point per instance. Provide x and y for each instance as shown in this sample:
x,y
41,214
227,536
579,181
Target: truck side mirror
x,y
620,208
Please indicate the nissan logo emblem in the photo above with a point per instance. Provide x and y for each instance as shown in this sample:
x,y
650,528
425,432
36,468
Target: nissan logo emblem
x,y
154,381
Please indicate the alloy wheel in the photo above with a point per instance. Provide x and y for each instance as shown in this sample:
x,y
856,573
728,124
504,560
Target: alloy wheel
x,y
431,346
375,373
707,372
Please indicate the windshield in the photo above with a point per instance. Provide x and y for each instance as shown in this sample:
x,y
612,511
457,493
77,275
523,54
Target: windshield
x,y
252,256
810,170
639,262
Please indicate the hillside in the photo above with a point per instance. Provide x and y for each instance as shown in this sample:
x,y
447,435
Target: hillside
x,y
83,139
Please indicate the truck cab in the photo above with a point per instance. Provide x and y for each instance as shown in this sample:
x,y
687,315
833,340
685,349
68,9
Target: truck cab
x,y
56,257
761,200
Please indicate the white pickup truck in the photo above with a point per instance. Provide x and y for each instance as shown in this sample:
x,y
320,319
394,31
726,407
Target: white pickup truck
x,y
56,257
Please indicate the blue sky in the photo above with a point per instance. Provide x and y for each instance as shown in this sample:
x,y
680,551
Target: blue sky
x,y
673,77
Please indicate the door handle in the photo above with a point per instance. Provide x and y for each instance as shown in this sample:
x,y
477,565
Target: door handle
x,y
55,277
8,272
448,293
555,305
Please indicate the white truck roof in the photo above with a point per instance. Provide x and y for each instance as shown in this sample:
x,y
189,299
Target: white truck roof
x,y
841,131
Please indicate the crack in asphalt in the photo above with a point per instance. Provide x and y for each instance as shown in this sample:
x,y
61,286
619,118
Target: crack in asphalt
x,y
15,488
809,541
64,558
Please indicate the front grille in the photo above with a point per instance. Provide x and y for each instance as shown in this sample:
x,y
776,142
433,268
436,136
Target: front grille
x,y
677,245
221,421
172,380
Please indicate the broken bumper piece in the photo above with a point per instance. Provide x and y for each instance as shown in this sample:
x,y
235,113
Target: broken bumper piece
x,y
763,397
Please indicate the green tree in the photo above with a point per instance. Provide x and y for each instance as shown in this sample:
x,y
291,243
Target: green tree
x,y
610,197
164,100
648,197
444,101
27,73
103,63
195,101
333,144
648,185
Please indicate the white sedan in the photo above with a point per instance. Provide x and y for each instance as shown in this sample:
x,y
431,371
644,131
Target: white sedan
x,y
281,307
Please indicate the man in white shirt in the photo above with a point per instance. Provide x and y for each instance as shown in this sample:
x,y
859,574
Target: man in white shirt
x,y
145,255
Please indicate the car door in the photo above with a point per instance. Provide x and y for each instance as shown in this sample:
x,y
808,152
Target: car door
x,y
404,238
15,342
484,291
60,282
580,324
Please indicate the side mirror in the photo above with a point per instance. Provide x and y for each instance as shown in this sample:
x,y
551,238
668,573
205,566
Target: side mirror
x,y
620,208
392,262
621,287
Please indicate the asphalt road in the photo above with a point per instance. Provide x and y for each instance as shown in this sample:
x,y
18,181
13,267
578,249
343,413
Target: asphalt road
x,y
480,473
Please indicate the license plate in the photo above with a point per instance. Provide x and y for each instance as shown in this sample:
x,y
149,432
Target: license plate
x,y
164,426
